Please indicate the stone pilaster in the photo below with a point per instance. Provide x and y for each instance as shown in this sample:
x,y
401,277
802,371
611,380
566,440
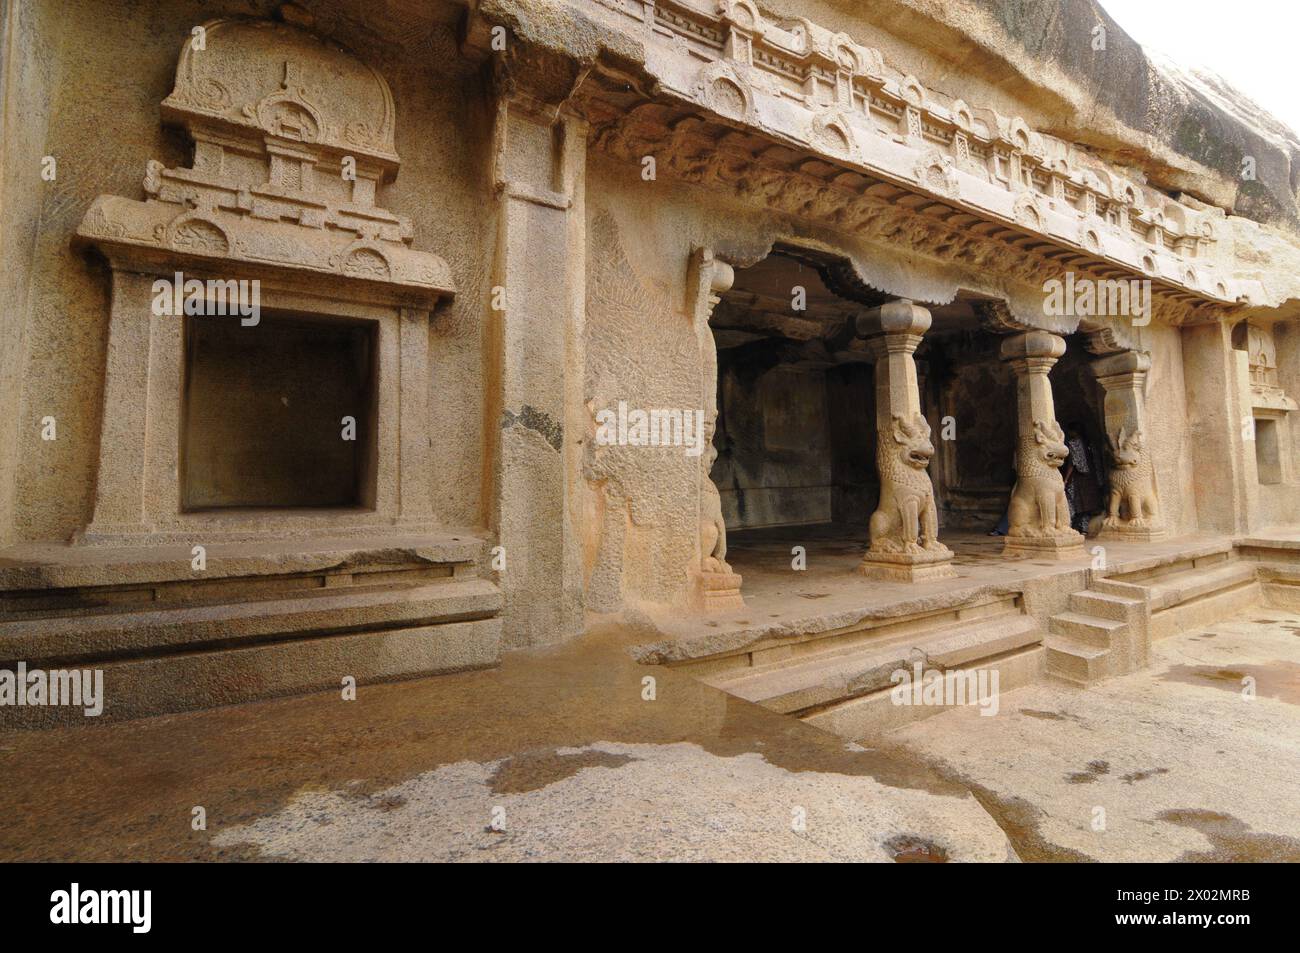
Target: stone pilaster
x,y
535,361
905,526
1220,429
1132,507
714,586
123,448
1039,516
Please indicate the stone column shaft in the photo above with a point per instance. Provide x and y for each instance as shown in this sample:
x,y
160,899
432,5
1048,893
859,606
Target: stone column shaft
x,y
1131,510
905,526
1038,515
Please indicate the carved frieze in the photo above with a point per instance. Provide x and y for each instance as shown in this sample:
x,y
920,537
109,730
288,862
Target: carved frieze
x,y
782,79
1261,353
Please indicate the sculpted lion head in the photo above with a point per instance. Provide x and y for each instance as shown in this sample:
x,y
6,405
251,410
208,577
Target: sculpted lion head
x,y
1126,449
1050,440
913,439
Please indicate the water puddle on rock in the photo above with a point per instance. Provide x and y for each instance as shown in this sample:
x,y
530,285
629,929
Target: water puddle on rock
x,y
1232,840
1280,680
910,849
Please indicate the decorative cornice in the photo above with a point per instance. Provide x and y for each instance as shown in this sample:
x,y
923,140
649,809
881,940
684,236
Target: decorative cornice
x,y
868,137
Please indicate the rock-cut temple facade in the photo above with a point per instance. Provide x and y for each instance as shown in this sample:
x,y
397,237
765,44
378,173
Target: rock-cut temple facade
x,y
374,340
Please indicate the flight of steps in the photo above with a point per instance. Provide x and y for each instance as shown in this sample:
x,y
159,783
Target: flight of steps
x,y
1109,627
167,644
843,683
1201,595
1101,634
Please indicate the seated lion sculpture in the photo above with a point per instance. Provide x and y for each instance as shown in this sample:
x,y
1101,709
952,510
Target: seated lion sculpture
x,y
1132,500
906,521
1038,504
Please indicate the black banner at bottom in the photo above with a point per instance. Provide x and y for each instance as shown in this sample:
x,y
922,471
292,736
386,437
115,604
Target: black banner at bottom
x,y
140,903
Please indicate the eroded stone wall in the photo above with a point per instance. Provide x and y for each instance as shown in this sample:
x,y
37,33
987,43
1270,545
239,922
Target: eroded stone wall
x,y
30,71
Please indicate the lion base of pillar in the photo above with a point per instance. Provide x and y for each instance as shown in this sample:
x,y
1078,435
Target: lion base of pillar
x,y
1128,533
716,591
907,567
1064,546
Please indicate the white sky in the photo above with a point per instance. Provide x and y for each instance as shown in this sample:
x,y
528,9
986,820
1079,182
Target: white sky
x,y
1253,44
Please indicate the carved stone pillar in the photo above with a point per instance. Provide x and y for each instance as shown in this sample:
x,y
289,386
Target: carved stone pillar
x,y
1132,510
714,586
1039,516
905,526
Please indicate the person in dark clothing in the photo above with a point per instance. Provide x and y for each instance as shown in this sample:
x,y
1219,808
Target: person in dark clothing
x,y
1082,475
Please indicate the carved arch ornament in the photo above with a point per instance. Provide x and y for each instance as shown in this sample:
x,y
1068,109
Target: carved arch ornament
x,y
300,105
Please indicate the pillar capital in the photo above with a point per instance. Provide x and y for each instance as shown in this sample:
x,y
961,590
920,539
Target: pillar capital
x,y
1034,348
894,318
1115,368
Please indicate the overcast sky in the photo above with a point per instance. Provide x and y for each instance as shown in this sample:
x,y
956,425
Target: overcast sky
x,y
1253,44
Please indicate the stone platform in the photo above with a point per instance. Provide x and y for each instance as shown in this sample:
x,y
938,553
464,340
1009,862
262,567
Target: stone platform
x,y
825,645
256,620
830,594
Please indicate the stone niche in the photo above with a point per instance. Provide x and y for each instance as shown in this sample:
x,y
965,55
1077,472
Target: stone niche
x,y
262,408
311,415
1270,405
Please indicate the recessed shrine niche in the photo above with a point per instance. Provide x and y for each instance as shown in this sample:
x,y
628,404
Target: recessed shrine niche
x,y
268,360
1270,405
267,410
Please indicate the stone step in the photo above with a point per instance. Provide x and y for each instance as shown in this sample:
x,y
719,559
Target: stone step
x,y
1104,604
105,636
1178,588
1114,587
1074,661
1089,629
838,674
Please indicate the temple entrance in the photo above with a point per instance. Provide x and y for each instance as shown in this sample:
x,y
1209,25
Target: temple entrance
x,y
796,435
969,395
1079,399
796,429
796,421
